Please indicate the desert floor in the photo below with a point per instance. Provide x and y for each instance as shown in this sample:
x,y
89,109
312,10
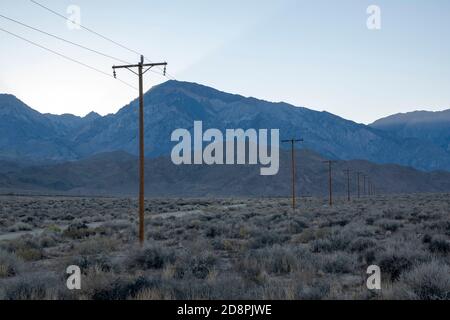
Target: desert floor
x,y
226,248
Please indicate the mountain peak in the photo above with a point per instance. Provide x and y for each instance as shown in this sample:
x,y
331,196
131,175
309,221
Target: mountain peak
x,y
92,115
193,89
419,116
10,104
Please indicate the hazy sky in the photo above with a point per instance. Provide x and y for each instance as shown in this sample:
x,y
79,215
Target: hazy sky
x,y
317,54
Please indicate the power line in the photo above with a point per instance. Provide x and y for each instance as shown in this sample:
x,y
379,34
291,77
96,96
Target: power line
x,y
66,57
95,33
62,39
83,27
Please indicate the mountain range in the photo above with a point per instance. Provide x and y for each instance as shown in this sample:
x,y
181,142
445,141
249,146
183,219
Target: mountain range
x,y
433,127
32,137
116,173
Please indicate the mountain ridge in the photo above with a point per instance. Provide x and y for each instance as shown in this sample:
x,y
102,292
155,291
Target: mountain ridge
x,y
116,174
428,126
175,104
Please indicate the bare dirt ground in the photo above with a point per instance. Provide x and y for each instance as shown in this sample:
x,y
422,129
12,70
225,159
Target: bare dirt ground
x,y
226,248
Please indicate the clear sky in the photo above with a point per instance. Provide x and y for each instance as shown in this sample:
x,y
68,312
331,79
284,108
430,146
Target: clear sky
x,y
318,54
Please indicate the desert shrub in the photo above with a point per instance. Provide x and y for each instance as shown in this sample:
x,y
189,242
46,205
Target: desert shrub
x,y
428,281
275,260
333,242
202,265
398,259
87,263
361,244
317,290
250,268
393,214
48,240
214,231
30,254
151,257
9,264
296,226
335,222
339,262
276,289
426,238
439,244
323,245
20,226
33,287
78,230
26,247
96,246
121,289
311,234
267,238
53,228
394,266
389,225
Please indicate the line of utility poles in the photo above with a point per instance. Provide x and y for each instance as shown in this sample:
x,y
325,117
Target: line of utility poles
x,y
140,73
292,142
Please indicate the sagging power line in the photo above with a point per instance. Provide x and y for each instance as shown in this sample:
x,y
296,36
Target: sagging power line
x,y
140,67
64,40
66,57
90,30
292,142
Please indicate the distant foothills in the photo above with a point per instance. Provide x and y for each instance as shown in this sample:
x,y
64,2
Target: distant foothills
x,y
60,153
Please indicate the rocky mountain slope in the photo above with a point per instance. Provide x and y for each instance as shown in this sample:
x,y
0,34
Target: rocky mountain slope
x,y
27,134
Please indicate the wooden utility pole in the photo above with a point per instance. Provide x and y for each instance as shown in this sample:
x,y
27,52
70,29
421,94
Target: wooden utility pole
x,y
330,188
364,184
358,175
293,141
140,68
347,171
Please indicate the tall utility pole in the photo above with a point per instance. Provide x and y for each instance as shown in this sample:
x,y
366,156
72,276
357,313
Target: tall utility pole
x,y
347,171
364,184
140,68
358,174
330,188
293,141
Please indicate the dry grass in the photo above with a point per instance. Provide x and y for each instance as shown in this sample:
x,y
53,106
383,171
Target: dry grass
x,y
225,248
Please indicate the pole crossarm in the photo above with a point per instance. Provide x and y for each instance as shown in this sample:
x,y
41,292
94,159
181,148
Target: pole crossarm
x,y
292,140
140,65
